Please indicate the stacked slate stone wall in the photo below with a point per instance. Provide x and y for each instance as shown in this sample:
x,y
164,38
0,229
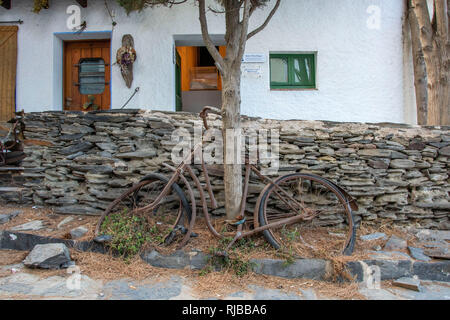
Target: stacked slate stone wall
x,y
79,162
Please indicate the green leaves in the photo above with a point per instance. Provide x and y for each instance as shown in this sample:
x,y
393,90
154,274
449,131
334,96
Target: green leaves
x,y
129,233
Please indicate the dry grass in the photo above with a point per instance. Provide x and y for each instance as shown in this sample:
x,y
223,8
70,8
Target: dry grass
x,y
50,221
212,284
106,267
221,284
321,243
9,257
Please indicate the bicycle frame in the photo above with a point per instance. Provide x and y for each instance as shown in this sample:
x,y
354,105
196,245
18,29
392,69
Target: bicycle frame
x,y
185,167
300,212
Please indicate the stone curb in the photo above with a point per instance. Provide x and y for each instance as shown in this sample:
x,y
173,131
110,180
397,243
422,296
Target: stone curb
x,y
316,269
26,242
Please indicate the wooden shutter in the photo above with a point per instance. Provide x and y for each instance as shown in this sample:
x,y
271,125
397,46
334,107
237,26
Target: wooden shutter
x,y
8,65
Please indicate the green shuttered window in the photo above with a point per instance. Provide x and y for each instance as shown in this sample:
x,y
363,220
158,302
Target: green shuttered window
x,y
293,71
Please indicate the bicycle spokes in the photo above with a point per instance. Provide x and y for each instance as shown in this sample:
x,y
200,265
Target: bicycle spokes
x,y
321,205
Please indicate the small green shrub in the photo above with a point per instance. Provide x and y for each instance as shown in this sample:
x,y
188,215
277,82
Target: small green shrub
x,y
233,261
129,233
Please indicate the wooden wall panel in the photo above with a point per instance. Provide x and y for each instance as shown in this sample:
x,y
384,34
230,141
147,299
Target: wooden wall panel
x,y
8,67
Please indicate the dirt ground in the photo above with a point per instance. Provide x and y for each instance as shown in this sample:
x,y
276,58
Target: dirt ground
x,y
106,267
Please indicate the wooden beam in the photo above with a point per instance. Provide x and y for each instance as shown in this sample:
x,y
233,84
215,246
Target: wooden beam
x,y
6,4
82,3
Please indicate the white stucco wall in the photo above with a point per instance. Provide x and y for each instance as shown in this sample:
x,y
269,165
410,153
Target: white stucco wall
x,y
362,73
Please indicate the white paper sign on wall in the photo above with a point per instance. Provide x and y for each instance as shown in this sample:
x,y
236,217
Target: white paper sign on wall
x,y
254,58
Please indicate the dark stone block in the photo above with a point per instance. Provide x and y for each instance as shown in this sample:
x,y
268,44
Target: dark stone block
x,y
389,269
437,271
445,151
398,155
83,146
72,137
302,268
417,145
26,242
178,260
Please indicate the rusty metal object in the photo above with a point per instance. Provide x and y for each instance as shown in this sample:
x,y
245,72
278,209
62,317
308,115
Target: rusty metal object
x,y
11,147
194,208
300,211
203,200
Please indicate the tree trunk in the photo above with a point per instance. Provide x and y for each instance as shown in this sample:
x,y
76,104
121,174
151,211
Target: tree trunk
x,y
236,36
434,41
231,126
420,71
438,87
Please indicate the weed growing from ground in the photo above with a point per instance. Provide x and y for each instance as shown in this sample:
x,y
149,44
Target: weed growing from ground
x,y
130,233
232,261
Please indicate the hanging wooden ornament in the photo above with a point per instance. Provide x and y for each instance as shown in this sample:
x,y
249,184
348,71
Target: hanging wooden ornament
x,y
126,56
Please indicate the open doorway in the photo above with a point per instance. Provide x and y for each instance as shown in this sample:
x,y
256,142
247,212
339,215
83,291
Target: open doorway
x,y
198,81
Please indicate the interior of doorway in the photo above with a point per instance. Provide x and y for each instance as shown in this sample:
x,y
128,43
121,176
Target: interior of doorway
x,y
198,81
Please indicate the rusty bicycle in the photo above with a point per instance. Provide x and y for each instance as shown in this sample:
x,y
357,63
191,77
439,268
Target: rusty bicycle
x,y
302,199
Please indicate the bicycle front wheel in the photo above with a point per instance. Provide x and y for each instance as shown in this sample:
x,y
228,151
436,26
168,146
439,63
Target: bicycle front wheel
x,y
173,210
328,227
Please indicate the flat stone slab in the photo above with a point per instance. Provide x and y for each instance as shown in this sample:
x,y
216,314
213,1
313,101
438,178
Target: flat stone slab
x,y
433,235
435,271
261,293
78,232
53,287
30,226
373,236
141,154
389,255
104,238
388,269
439,252
301,268
178,260
408,283
395,244
5,218
131,290
48,256
418,254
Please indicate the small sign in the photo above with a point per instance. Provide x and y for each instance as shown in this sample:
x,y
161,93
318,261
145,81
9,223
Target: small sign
x,y
253,72
254,58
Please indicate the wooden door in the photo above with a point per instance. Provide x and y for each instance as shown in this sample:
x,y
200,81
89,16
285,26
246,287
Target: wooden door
x,y
87,75
8,66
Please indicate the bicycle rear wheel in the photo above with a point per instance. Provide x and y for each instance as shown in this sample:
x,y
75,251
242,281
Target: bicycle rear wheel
x,y
330,229
173,211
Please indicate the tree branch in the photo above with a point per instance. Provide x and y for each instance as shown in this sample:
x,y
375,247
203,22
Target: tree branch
x,y
244,26
420,73
260,28
442,20
426,29
207,39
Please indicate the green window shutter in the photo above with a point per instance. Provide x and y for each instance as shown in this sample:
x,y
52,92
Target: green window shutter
x,y
301,71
